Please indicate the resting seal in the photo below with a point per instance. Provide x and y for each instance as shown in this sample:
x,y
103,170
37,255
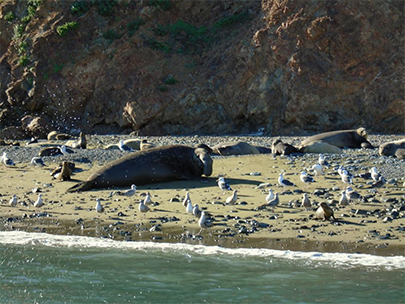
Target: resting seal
x,y
160,164
393,148
332,142
280,148
235,148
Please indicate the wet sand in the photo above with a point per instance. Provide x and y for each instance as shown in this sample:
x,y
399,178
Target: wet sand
x,y
359,227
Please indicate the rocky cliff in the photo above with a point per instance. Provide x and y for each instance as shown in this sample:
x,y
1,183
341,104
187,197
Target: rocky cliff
x,y
202,67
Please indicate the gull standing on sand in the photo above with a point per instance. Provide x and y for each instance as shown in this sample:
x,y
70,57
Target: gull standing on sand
x,y
318,170
37,161
63,150
274,202
130,192
233,198
147,200
13,201
196,211
222,184
306,203
189,208
284,182
142,207
186,199
322,161
346,177
7,161
123,147
99,207
351,194
270,196
204,223
374,174
306,179
38,203
343,199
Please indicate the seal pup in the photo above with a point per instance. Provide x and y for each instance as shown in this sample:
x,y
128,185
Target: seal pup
x,y
6,160
204,222
233,198
38,203
37,161
99,207
280,148
306,203
223,184
65,172
306,179
324,212
13,201
284,182
124,147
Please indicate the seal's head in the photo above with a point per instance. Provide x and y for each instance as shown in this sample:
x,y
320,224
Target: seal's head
x,y
362,132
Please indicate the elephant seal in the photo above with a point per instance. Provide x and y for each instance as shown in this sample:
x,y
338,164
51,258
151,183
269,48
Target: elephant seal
x,y
235,148
160,164
394,148
280,148
329,141
54,135
324,212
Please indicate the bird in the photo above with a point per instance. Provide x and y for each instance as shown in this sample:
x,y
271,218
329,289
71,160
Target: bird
x,y
186,199
99,207
222,184
37,161
318,170
204,222
306,203
346,177
322,161
38,203
33,140
63,150
305,178
269,196
343,199
123,147
189,207
374,174
196,211
284,182
147,200
379,183
233,198
130,192
274,202
142,207
351,194
13,201
7,161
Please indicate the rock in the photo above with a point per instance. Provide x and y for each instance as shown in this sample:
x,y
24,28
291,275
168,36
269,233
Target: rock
x,y
13,133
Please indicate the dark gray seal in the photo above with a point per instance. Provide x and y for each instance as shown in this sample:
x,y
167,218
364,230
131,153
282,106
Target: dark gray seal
x,y
393,148
280,148
333,142
160,164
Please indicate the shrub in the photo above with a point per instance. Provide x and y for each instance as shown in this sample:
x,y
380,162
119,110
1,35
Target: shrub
x,y
80,7
133,26
162,88
18,31
170,80
160,30
104,7
230,20
9,16
62,30
22,47
111,35
161,4
23,60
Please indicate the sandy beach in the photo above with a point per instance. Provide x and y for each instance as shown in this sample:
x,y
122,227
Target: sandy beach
x,y
374,224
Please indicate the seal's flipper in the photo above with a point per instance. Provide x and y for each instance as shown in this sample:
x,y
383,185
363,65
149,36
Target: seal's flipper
x,y
82,186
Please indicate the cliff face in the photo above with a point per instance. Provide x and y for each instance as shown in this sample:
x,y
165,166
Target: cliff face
x,y
206,67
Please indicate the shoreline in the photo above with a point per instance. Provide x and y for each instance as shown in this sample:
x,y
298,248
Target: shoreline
x,y
358,229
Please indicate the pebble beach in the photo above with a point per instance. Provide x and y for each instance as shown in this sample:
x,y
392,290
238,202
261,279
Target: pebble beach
x,y
373,224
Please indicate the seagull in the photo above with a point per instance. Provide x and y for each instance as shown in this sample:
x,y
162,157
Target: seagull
x,y
284,182
38,203
13,201
63,150
186,199
322,161
379,183
37,161
318,170
306,203
351,194
346,177
222,184
233,198
305,178
196,211
270,196
130,192
204,223
374,174
142,207
189,208
273,203
99,207
343,199
147,200
7,161
123,147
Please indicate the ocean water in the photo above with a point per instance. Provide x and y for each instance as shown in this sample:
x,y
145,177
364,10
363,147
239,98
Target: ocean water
x,y
43,268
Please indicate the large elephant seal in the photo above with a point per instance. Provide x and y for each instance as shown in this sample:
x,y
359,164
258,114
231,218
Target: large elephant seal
x,y
393,148
235,148
280,148
333,142
153,165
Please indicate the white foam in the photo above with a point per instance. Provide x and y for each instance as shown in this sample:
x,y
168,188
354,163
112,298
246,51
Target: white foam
x,y
346,260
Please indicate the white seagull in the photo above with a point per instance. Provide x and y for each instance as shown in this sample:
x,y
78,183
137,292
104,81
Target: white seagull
x,y
284,182
204,223
99,207
233,198
130,192
7,161
270,196
374,174
274,202
186,199
318,170
343,199
148,200
38,203
196,211
305,178
322,161
306,203
13,201
37,161
123,147
142,207
189,208
222,184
